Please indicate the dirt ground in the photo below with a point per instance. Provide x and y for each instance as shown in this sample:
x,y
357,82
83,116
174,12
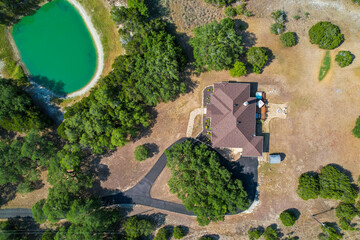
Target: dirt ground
x,y
317,130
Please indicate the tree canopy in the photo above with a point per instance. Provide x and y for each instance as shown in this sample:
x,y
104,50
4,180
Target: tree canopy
x,y
204,186
356,129
288,39
216,45
257,57
238,70
288,218
17,110
344,58
326,35
308,187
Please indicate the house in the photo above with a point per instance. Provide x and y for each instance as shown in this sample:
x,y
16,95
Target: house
x,y
232,114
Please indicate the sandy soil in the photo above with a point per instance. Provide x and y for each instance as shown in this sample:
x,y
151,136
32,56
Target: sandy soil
x,y
316,132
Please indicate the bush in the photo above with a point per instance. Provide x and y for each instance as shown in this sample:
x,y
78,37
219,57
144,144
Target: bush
x,y
356,129
288,218
220,3
230,12
288,39
309,187
178,233
277,28
344,58
270,234
135,227
163,234
257,57
141,153
254,233
238,70
279,16
326,35
297,17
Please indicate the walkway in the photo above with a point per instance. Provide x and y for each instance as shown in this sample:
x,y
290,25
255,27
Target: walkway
x,y
193,115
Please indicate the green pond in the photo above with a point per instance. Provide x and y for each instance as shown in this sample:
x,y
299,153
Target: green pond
x,y
56,47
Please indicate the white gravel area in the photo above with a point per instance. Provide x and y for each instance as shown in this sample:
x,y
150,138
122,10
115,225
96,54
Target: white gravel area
x,y
99,48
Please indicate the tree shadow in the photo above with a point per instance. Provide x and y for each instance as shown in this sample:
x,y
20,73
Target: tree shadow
x,y
56,86
212,236
158,8
270,55
7,134
295,212
7,193
23,228
152,148
282,155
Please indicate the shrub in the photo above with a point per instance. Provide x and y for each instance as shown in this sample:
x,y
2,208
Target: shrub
x,y
329,233
279,16
344,58
238,70
309,187
326,35
297,17
270,234
356,129
163,234
178,233
288,39
141,153
288,218
277,28
254,233
230,12
356,1
257,57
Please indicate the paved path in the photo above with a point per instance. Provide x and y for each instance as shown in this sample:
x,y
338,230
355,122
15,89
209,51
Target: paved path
x,y
193,115
15,212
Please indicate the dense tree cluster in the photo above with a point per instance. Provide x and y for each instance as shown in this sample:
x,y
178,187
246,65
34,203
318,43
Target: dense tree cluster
x,y
330,183
17,110
216,45
288,218
21,160
204,186
345,212
257,57
148,74
326,35
12,10
344,58
288,39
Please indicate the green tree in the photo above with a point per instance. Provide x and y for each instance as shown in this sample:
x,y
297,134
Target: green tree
x,y
288,218
163,234
136,227
288,39
12,10
37,211
238,70
254,233
204,186
141,153
178,232
48,235
344,58
277,28
326,35
217,46
270,233
329,233
220,3
309,186
356,129
258,57
230,11
279,16
346,211
18,112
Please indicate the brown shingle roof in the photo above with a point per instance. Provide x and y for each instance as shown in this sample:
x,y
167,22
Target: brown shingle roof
x,y
233,124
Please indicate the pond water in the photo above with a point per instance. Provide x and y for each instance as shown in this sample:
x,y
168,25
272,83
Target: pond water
x,y
56,47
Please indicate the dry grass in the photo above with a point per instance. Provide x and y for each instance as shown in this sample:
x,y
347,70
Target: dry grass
x,y
197,126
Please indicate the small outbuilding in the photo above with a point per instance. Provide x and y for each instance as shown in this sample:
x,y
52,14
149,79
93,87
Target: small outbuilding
x,y
274,159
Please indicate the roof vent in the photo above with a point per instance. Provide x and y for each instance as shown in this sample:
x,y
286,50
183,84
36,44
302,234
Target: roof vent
x,y
246,103
235,105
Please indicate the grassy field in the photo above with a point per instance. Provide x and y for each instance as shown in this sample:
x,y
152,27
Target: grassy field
x,y
100,16
325,67
11,68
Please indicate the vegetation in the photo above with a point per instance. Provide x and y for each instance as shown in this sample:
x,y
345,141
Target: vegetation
x,y
288,218
21,160
12,10
136,227
277,28
254,233
257,57
118,108
331,183
325,67
242,10
356,129
141,153
279,16
216,45
344,58
326,35
346,212
230,11
18,112
220,3
297,17
178,232
288,39
238,70
204,186
270,233
163,234
329,233
356,1
206,238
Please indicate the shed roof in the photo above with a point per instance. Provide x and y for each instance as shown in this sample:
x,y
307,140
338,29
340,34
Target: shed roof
x,y
274,159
